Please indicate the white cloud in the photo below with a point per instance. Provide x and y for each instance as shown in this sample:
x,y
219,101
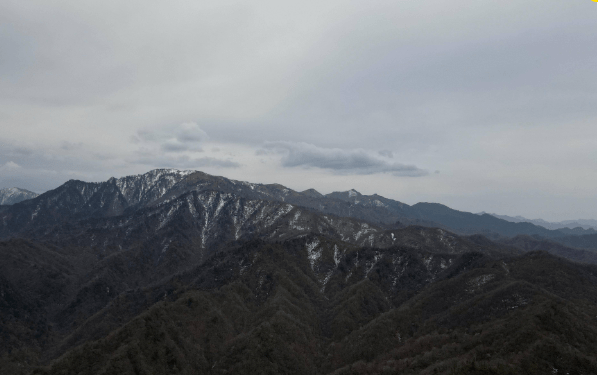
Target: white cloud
x,y
10,166
190,132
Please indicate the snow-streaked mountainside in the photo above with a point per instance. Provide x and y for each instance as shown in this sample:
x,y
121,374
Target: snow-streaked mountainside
x,y
183,272
210,218
161,189
15,195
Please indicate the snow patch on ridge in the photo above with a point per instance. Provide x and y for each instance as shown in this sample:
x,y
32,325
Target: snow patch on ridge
x,y
281,211
477,282
337,255
370,265
378,203
293,223
364,229
312,254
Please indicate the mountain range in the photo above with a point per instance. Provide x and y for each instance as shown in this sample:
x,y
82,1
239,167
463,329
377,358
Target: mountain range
x,y
183,272
78,200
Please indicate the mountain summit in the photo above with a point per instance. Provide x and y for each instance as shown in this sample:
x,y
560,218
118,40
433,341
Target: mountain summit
x,y
14,195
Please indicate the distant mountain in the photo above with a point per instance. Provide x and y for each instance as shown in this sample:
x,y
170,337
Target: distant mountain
x,y
14,195
571,224
582,222
576,247
377,209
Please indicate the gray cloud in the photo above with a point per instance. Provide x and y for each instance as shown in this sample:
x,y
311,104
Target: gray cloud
x,y
190,132
185,162
359,161
500,96
10,166
42,168
45,167
174,147
213,162
69,146
187,136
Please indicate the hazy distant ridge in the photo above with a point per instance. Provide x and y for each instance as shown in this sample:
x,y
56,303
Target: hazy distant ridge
x,y
583,223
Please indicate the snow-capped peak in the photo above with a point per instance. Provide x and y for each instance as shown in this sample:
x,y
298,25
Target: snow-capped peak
x,y
353,193
15,195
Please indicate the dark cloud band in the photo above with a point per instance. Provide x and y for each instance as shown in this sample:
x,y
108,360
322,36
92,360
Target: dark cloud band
x,y
358,161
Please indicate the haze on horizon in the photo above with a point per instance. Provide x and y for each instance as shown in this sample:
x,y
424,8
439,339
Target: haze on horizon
x,y
481,106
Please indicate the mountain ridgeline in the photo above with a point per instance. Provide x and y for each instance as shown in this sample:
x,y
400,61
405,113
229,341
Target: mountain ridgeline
x,y
572,224
76,200
183,272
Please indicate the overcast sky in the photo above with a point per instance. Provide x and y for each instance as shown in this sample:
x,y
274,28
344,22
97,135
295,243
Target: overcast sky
x,y
479,105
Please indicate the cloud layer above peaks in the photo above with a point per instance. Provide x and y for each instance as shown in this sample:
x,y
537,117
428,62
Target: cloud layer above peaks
x,y
498,96
358,161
